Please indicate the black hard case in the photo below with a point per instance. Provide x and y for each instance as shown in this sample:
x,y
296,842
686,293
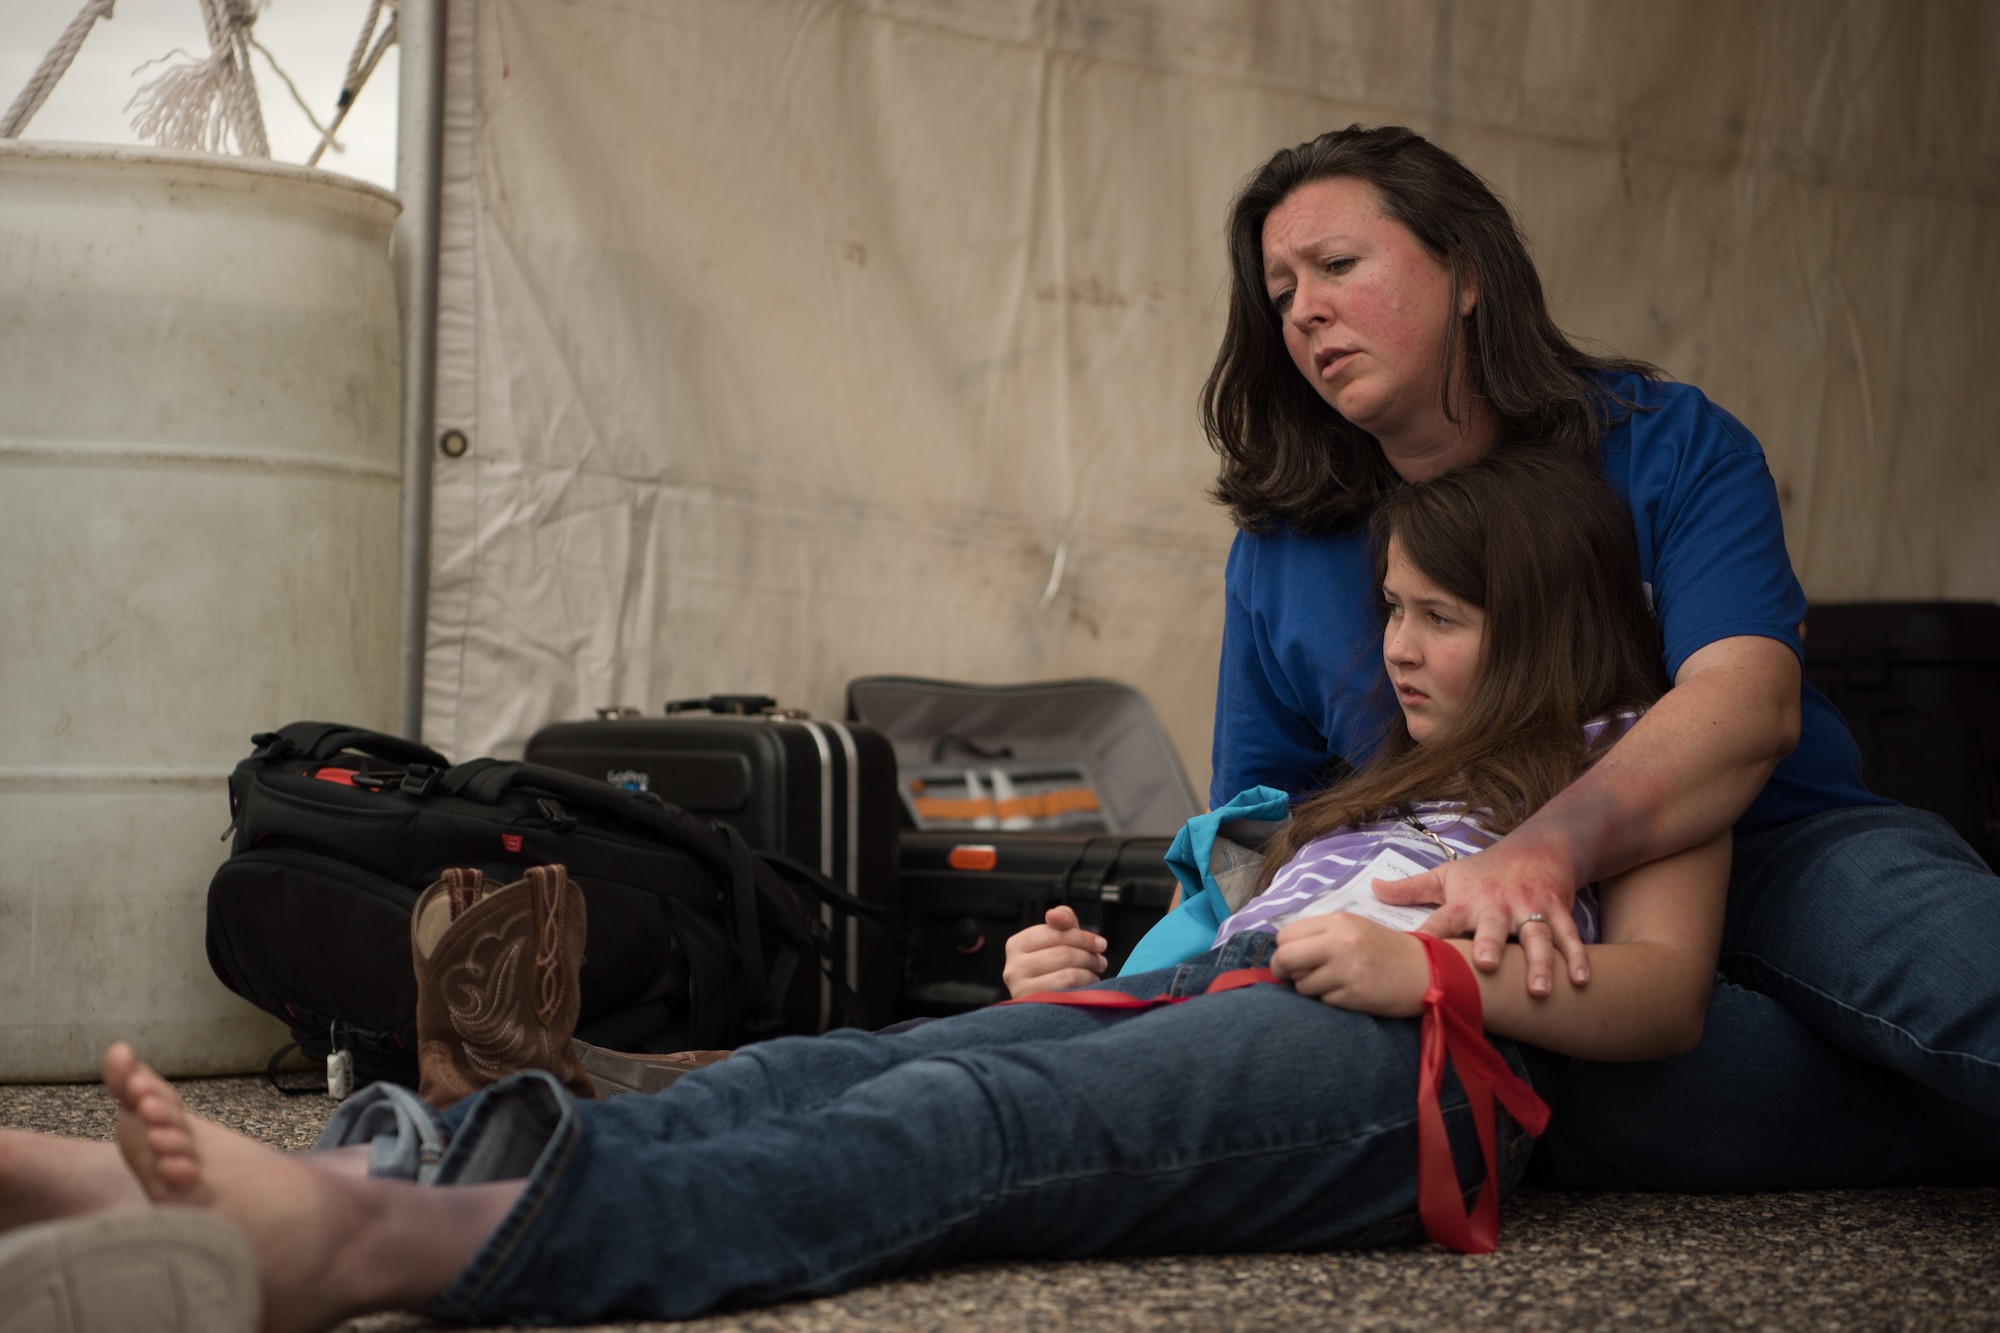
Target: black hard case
x,y
822,793
1919,685
958,920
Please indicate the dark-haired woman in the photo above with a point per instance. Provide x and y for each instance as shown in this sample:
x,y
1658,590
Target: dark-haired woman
x,y
1387,325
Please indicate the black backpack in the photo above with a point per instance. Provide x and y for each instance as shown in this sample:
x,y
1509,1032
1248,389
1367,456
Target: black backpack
x,y
695,940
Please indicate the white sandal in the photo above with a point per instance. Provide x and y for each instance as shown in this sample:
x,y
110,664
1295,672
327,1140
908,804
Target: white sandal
x,y
128,1270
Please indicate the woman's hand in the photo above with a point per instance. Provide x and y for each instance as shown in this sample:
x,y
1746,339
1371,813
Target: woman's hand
x,y
1498,893
1355,964
1056,956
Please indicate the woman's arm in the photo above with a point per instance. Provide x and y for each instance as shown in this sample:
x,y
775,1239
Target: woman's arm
x,y
1652,975
1684,773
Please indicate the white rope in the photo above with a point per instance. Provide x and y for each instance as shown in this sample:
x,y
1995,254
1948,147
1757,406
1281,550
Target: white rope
x,y
359,66
349,81
54,65
298,98
200,104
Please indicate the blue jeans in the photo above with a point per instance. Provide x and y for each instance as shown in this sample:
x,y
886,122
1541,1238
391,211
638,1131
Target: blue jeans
x,y
1853,1038
1255,1119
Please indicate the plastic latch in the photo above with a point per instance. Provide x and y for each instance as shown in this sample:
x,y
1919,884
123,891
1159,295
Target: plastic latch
x,y
340,1075
973,856
420,780
339,1066
561,820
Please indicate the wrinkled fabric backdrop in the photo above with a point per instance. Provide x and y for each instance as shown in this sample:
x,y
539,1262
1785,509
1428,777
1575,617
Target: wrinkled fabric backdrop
x,y
802,339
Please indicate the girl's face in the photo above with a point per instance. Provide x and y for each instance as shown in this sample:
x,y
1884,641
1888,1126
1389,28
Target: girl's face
x,y
1431,646
1363,306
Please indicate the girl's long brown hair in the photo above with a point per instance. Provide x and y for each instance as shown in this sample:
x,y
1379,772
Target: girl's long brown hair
x,y
1543,546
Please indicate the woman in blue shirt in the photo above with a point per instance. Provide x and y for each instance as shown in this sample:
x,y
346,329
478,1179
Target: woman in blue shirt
x,y
1387,325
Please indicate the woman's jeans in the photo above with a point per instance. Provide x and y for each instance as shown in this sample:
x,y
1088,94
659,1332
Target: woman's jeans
x,y
1254,1119
1853,1038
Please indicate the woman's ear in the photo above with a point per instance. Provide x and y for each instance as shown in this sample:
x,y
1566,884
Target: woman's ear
x,y
1468,288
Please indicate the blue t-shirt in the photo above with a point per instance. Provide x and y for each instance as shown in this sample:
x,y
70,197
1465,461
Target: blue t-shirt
x,y
1302,686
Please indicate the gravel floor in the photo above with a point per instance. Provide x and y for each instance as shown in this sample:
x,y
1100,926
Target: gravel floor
x,y
1918,1259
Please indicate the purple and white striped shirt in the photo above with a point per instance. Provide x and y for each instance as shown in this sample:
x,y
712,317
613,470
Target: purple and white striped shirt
x,y
1336,873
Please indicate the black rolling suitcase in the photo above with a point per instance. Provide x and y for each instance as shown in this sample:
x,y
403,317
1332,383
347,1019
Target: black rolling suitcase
x,y
817,792
965,893
1919,685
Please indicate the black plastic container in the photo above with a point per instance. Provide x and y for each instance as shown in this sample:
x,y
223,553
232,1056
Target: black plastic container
x,y
1919,685
965,893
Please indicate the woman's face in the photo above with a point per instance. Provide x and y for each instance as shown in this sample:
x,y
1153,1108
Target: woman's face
x,y
1363,306
1431,645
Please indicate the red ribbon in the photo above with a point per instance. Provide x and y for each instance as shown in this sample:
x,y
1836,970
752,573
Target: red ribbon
x,y
1454,1027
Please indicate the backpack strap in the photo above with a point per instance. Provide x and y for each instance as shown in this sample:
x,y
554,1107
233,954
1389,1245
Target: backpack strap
x,y
324,740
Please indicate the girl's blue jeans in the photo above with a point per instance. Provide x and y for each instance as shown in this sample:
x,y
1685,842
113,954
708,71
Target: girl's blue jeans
x,y
1255,1119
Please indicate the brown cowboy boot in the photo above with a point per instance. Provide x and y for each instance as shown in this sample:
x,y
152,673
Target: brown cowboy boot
x,y
621,1073
496,981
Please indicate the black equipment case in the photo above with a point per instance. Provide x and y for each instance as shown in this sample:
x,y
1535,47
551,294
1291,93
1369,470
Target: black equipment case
x,y
694,939
1919,684
819,793
965,893
966,889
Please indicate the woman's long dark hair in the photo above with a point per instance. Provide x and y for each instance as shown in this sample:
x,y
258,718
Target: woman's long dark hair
x,y
1286,454
1540,543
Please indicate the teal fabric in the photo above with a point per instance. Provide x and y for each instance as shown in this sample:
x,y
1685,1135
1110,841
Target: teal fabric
x,y
1189,930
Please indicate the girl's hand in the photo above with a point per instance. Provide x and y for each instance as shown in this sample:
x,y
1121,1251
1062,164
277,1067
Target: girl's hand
x,y
1355,964
1055,956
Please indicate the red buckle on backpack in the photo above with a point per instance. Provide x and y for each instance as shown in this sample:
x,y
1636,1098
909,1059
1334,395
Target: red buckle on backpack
x,y
512,841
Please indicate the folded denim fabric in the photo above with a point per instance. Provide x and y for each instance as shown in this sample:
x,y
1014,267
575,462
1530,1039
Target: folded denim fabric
x,y
405,1137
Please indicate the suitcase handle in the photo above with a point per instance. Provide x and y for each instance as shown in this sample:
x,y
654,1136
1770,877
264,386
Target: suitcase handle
x,y
734,705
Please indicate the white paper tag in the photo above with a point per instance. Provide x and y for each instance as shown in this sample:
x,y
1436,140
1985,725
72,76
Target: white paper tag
x,y
340,1075
1358,894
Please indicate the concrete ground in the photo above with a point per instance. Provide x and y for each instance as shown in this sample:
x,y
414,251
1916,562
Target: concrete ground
x,y
1883,1259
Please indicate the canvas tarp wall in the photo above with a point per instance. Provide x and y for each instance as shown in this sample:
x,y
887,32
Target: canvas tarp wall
x,y
802,339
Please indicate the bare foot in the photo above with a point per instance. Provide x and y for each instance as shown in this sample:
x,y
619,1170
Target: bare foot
x,y
44,1177
329,1244
299,1220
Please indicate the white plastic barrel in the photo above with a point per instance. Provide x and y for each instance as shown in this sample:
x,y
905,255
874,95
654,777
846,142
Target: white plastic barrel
x,y
199,475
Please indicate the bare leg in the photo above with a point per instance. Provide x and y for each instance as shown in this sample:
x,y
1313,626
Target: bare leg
x,y
44,1177
328,1245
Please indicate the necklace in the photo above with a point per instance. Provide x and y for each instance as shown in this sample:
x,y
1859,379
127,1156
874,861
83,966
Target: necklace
x,y
1410,817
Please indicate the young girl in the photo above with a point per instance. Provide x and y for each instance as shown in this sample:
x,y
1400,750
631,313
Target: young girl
x,y
1263,1117
1483,736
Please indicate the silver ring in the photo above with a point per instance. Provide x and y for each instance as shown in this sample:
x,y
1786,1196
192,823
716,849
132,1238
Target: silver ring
x,y
1534,916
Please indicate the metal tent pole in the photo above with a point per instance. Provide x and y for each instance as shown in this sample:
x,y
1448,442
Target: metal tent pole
x,y
419,166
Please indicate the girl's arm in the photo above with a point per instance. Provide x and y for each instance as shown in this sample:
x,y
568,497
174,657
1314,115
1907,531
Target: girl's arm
x,y
1687,770
1650,978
